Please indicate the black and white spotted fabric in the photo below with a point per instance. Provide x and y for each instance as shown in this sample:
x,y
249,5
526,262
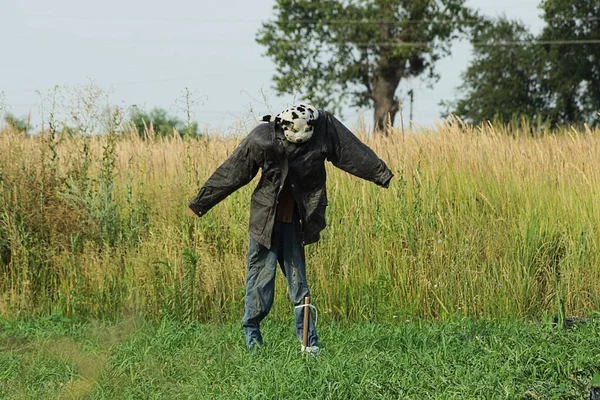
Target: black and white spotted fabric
x,y
297,122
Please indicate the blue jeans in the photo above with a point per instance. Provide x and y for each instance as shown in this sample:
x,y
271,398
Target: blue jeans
x,y
287,249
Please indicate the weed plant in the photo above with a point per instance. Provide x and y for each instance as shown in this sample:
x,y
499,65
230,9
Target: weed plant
x,y
457,359
485,222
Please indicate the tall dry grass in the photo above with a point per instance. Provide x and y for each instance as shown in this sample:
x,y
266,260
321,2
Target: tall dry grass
x,y
482,222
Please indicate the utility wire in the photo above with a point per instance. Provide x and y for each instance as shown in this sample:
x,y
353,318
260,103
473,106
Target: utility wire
x,y
357,44
492,43
292,21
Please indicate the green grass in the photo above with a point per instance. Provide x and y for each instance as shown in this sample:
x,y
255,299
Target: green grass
x,y
467,359
475,224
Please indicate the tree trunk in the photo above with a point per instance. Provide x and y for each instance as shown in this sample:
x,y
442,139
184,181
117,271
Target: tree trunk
x,y
385,105
387,78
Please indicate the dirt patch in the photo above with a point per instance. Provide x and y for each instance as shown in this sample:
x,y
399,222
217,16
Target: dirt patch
x,y
12,343
91,365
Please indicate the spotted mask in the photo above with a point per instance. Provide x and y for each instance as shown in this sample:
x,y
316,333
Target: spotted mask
x,y
297,122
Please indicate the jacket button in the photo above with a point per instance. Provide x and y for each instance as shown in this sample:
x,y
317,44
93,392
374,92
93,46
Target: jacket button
x,y
293,185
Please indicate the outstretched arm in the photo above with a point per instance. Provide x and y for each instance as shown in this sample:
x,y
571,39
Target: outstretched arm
x,y
348,153
235,172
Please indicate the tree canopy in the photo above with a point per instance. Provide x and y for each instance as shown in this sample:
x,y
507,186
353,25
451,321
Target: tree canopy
x,y
554,77
503,79
19,124
571,41
162,123
358,51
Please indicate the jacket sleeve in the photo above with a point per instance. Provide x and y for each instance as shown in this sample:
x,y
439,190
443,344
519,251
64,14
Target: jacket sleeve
x,y
235,172
348,153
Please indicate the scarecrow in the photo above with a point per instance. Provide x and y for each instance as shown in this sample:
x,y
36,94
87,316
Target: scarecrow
x,y
287,209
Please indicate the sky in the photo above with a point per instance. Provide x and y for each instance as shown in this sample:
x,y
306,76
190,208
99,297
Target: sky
x,y
146,53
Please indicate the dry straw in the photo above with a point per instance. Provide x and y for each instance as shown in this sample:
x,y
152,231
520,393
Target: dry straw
x,y
487,221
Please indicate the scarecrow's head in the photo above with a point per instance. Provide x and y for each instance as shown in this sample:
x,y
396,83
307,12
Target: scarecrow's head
x,y
297,122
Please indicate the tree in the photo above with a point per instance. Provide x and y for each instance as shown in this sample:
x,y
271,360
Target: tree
x,y
162,123
18,124
361,49
554,77
571,40
503,80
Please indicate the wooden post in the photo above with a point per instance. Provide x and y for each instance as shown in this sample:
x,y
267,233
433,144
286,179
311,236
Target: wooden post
x,y
305,332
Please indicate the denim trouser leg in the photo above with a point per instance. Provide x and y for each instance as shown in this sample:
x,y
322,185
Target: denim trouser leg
x,y
260,289
292,258
260,281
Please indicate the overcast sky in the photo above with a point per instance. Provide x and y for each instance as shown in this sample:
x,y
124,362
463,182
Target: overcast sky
x,y
146,53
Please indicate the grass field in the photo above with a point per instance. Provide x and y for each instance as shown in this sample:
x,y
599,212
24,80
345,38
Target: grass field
x,y
462,359
439,287
478,222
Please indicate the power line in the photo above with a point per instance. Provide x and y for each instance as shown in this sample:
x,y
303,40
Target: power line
x,y
414,21
539,42
332,21
357,44
476,44
129,18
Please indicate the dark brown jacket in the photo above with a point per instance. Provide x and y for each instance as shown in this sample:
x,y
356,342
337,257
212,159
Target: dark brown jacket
x,y
266,148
